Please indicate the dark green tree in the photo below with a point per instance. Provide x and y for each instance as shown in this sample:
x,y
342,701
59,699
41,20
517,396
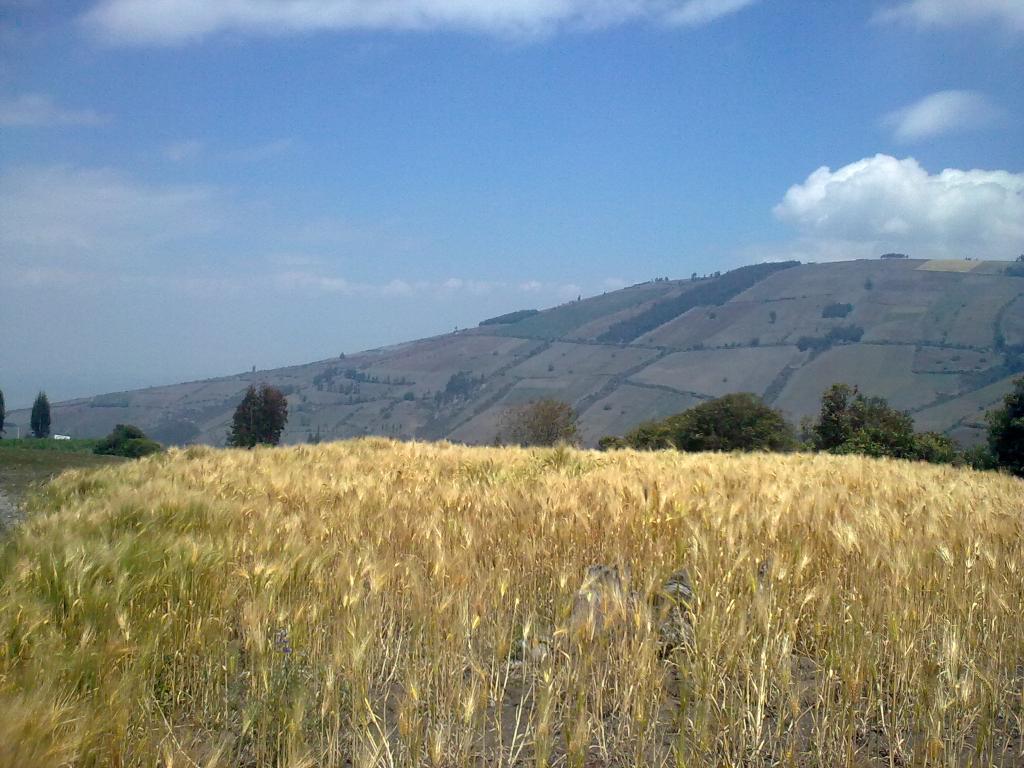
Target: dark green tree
x,y
3,412
650,436
834,427
40,418
1006,431
259,418
736,422
541,422
127,440
938,449
851,422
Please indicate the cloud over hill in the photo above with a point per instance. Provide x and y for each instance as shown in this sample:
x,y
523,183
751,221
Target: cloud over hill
x,y
883,200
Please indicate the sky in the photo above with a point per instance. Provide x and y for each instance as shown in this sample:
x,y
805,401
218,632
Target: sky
x,y
189,188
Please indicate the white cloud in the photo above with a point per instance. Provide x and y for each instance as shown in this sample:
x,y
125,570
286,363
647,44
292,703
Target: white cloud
x,y
168,22
313,282
882,202
698,12
90,215
953,13
36,109
939,113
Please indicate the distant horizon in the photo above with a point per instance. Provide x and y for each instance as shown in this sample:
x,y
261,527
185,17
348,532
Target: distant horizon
x,y
400,342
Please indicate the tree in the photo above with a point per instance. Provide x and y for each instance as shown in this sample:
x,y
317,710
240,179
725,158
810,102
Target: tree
x,y
541,422
127,440
40,418
851,422
936,448
736,422
1006,431
3,412
834,428
259,418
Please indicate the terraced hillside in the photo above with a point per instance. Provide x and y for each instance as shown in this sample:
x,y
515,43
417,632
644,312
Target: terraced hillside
x,y
942,340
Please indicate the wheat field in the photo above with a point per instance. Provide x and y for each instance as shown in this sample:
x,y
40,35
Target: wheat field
x,y
373,603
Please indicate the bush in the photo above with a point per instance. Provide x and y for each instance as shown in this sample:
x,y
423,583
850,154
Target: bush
x,y
649,436
979,457
737,422
839,334
850,422
837,310
541,422
937,449
611,443
127,440
461,385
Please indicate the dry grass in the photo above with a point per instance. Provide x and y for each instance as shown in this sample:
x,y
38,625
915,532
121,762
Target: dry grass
x,y
373,603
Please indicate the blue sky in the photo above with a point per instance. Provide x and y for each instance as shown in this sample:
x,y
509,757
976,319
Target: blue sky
x,y
192,187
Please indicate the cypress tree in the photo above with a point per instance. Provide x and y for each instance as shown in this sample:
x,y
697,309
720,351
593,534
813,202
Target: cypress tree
x,y
40,419
259,418
3,412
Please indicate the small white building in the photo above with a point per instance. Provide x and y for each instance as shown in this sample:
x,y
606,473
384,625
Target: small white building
x,y
62,437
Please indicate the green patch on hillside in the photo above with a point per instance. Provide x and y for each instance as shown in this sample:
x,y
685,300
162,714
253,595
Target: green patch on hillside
x,y
558,322
709,293
510,318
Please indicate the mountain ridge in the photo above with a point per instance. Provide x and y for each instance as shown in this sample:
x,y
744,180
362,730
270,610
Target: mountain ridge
x,y
939,339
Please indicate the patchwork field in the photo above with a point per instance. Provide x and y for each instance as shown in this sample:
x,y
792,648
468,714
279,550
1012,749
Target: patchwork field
x,y
384,604
718,372
879,370
929,332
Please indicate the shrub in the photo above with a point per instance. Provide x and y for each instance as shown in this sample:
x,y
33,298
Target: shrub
x,y
837,310
839,334
937,449
460,385
611,443
850,422
541,422
127,440
736,422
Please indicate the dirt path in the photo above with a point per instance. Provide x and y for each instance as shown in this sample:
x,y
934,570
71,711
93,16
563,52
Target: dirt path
x,y
9,513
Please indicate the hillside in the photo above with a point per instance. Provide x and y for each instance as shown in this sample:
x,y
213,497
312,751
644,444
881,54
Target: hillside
x,y
936,338
374,603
